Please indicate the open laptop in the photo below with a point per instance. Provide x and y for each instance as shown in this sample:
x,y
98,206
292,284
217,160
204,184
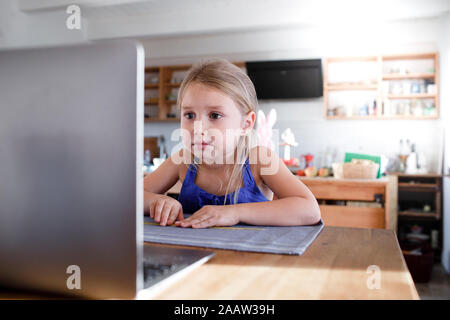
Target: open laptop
x,y
71,180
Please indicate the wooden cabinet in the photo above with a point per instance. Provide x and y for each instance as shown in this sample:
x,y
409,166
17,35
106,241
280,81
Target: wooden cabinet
x,y
420,209
356,203
382,87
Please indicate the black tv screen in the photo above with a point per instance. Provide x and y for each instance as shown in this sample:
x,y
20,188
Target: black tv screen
x,y
288,79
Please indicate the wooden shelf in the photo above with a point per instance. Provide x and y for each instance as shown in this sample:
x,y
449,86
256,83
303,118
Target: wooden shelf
x,y
151,101
417,56
408,76
419,187
372,117
162,120
152,86
415,175
179,67
151,69
408,117
416,214
412,96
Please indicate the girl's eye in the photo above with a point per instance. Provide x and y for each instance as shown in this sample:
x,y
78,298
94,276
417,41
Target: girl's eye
x,y
216,115
189,115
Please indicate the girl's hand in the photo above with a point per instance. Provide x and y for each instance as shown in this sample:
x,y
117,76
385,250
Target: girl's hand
x,y
166,210
212,215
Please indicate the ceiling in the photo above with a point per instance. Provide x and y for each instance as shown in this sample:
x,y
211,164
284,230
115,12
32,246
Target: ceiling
x,y
155,18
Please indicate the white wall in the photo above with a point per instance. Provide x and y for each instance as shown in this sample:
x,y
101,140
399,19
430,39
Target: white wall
x,y
445,101
305,117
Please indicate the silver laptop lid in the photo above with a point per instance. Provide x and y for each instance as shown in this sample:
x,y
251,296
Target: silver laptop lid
x,y
71,128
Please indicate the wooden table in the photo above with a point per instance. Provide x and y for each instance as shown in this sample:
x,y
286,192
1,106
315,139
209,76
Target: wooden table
x,y
333,267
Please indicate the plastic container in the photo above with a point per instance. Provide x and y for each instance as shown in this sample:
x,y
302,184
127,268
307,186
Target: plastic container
x,y
355,170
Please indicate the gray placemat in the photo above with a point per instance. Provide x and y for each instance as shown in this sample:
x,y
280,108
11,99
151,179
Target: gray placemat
x,y
242,237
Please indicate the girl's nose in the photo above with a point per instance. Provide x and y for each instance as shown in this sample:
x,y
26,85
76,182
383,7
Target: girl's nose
x,y
200,128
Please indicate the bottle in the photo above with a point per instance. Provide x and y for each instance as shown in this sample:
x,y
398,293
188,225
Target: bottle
x,y
434,239
370,109
364,110
147,157
403,155
411,161
161,146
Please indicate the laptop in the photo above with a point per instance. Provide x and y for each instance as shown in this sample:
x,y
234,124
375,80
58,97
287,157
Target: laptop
x,y
71,179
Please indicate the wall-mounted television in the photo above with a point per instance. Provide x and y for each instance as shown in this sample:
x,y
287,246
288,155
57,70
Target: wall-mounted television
x,y
286,79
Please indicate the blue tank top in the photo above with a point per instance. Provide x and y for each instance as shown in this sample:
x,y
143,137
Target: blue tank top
x,y
192,197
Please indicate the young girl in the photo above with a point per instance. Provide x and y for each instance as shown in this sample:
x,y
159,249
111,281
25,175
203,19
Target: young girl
x,y
224,180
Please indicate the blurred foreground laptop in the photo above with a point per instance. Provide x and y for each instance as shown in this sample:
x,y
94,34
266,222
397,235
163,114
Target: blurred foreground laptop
x,y
71,185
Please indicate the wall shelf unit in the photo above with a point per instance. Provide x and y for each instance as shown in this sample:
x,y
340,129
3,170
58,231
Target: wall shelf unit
x,y
394,87
161,84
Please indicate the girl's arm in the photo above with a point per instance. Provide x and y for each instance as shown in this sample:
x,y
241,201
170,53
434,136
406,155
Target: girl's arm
x,y
295,203
159,181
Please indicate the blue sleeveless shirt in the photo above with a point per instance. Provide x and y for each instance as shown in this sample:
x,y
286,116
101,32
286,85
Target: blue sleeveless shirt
x,y
193,198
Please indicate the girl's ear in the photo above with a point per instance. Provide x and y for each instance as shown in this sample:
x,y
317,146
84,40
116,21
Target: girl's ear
x,y
249,122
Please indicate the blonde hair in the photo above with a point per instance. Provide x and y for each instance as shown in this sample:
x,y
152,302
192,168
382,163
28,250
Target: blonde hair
x,y
228,78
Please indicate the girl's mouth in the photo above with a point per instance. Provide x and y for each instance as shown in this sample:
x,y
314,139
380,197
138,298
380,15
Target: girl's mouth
x,y
202,145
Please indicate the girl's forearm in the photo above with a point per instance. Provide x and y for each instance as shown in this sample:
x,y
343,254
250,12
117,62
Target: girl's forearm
x,y
288,211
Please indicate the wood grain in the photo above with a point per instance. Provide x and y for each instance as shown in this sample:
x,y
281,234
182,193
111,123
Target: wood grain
x,y
333,267
355,217
345,189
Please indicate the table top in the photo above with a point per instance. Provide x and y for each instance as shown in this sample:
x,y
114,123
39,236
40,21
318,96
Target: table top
x,y
342,263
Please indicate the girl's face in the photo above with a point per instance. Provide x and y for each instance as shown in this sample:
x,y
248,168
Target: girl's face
x,y
211,123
